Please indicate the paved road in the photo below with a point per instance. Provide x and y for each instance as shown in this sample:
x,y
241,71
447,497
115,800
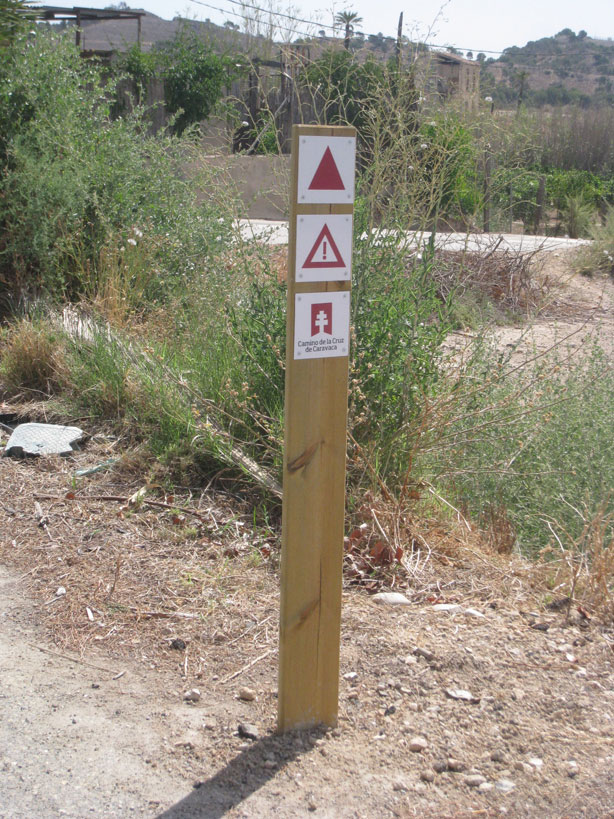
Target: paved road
x,y
276,233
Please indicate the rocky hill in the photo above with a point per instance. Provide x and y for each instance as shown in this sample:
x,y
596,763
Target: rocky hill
x,y
566,68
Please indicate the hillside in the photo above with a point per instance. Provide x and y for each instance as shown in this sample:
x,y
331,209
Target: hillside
x,y
566,68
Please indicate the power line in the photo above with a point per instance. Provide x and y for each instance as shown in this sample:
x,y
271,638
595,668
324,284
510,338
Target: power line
x,y
278,14
272,13
463,48
242,17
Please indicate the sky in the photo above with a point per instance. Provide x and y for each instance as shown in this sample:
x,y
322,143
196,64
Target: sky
x,y
470,25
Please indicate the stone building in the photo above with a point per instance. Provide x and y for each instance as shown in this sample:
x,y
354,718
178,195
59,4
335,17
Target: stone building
x,y
456,79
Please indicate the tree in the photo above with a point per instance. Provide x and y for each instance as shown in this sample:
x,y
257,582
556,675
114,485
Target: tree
x,y
342,87
349,19
194,78
470,55
14,15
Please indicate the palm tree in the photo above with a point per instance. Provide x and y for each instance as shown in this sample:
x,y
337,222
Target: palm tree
x,y
349,19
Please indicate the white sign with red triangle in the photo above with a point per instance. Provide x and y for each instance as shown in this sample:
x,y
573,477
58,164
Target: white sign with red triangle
x,y
326,170
323,247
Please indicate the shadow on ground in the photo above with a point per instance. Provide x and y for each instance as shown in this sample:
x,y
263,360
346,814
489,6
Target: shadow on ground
x,y
243,775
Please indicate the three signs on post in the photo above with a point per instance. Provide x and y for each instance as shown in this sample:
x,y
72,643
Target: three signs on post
x,y
317,354
323,244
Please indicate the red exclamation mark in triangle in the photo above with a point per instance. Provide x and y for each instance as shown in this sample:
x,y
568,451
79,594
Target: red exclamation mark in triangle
x,y
327,177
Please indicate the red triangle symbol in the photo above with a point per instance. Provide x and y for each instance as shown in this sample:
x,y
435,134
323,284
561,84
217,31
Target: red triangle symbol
x,y
327,177
323,246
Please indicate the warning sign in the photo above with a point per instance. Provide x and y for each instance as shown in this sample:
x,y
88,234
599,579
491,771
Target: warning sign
x,y
321,325
326,169
323,247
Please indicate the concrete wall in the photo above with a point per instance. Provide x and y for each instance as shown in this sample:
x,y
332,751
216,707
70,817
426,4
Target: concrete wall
x,y
262,182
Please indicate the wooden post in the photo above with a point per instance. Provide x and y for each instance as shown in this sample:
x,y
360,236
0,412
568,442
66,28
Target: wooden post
x,y
511,206
487,175
314,490
541,199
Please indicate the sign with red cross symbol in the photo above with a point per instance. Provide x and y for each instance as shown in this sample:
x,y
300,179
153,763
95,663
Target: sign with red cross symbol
x,y
321,325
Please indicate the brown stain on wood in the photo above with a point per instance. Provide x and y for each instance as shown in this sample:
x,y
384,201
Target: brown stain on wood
x,y
304,458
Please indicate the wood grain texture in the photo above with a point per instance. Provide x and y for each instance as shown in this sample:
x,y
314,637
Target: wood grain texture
x,y
313,505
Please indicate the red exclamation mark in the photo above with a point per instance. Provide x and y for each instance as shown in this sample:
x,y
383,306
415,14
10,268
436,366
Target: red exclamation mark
x,y
324,250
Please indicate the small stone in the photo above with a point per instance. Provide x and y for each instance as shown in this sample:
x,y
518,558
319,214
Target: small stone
x,y
418,744
353,695
446,607
499,756
572,769
399,786
456,765
474,613
485,787
189,741
440,766
536,762
390,599
178,644
420,787
427,776
270,763
475,780
461,694
350,676
247,694
248,730
540,626
424,652
505,785
60,592
193,695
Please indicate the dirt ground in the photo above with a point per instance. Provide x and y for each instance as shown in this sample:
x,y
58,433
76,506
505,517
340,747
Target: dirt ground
x,y
481,697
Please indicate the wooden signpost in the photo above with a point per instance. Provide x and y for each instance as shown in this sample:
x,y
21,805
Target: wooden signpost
x,y
317,341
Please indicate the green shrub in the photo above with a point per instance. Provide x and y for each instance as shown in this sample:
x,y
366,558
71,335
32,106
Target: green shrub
x,y
75,181
194,77
534,441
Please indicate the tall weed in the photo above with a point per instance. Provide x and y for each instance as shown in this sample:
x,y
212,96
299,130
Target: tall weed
x,y
76,183
532,439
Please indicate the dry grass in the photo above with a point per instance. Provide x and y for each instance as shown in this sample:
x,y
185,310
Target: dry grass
x,y
32,360
141,573
507,278
582,568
